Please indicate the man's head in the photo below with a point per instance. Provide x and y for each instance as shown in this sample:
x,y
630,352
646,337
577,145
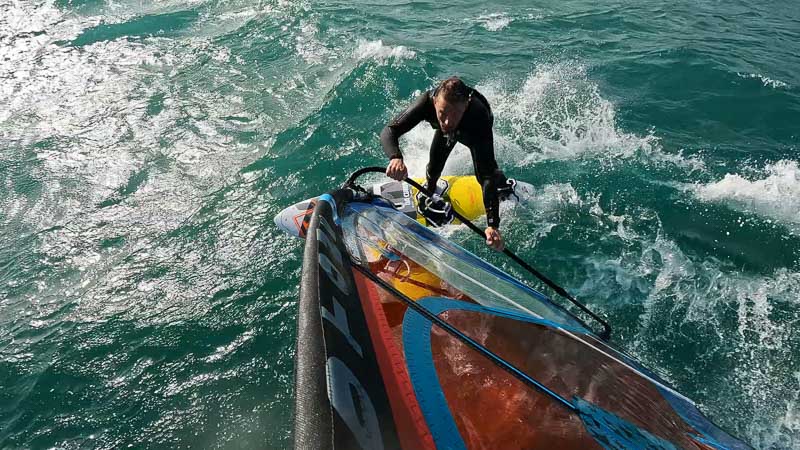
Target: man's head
x,y
450,102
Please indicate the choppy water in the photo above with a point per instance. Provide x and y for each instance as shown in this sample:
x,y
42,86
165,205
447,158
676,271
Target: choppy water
x,y
147,300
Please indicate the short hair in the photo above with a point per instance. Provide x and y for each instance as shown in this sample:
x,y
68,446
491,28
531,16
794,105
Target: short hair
x,y
454,90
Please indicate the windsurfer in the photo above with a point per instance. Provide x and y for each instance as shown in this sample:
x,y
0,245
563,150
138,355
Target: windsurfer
x,y
458,113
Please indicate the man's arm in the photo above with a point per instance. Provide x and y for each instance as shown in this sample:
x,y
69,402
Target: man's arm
x,y
401,125
486,171
491,203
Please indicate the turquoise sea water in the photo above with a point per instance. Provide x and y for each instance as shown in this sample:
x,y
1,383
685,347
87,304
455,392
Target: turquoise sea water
x,y
147,300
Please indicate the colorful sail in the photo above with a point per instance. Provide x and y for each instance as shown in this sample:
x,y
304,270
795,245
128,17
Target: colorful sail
x,y
406,340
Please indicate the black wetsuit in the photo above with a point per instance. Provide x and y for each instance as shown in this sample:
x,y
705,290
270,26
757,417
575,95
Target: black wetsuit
x,y
474,131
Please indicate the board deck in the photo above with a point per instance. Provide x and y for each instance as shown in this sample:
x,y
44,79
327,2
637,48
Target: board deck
x,y
463,192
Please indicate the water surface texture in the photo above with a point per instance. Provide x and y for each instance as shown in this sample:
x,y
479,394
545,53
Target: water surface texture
x,y
147,299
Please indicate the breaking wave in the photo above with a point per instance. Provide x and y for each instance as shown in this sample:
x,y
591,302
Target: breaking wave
x,y
378,51
765,80
558,114
776,196
495,21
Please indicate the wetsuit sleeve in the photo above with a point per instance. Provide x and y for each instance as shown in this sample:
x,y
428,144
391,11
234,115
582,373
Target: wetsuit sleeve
x,y
487,171
401,125
492,203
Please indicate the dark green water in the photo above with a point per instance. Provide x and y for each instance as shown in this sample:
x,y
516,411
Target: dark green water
x,y
147,300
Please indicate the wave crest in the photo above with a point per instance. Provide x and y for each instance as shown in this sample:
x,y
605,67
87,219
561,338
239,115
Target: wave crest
x,y
765,80
776,196
558,114
494,21
376,50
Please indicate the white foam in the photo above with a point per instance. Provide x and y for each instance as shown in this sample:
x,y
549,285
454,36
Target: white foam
x,y
376,50
533,16
783,432
500,20
680,292
308,45
776,196
553,197
223,351
494,21
91,106
765,80
558,113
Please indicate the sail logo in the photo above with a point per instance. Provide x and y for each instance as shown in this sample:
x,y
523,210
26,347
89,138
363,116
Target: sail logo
x,y
346,393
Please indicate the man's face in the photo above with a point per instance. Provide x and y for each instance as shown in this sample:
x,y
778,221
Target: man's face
x,y
448,113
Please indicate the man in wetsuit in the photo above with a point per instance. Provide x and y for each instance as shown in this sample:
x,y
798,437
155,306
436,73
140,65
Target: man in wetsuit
x,y
458,113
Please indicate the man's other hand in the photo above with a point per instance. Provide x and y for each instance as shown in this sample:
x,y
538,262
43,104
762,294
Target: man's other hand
x,y
494,239
397,169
